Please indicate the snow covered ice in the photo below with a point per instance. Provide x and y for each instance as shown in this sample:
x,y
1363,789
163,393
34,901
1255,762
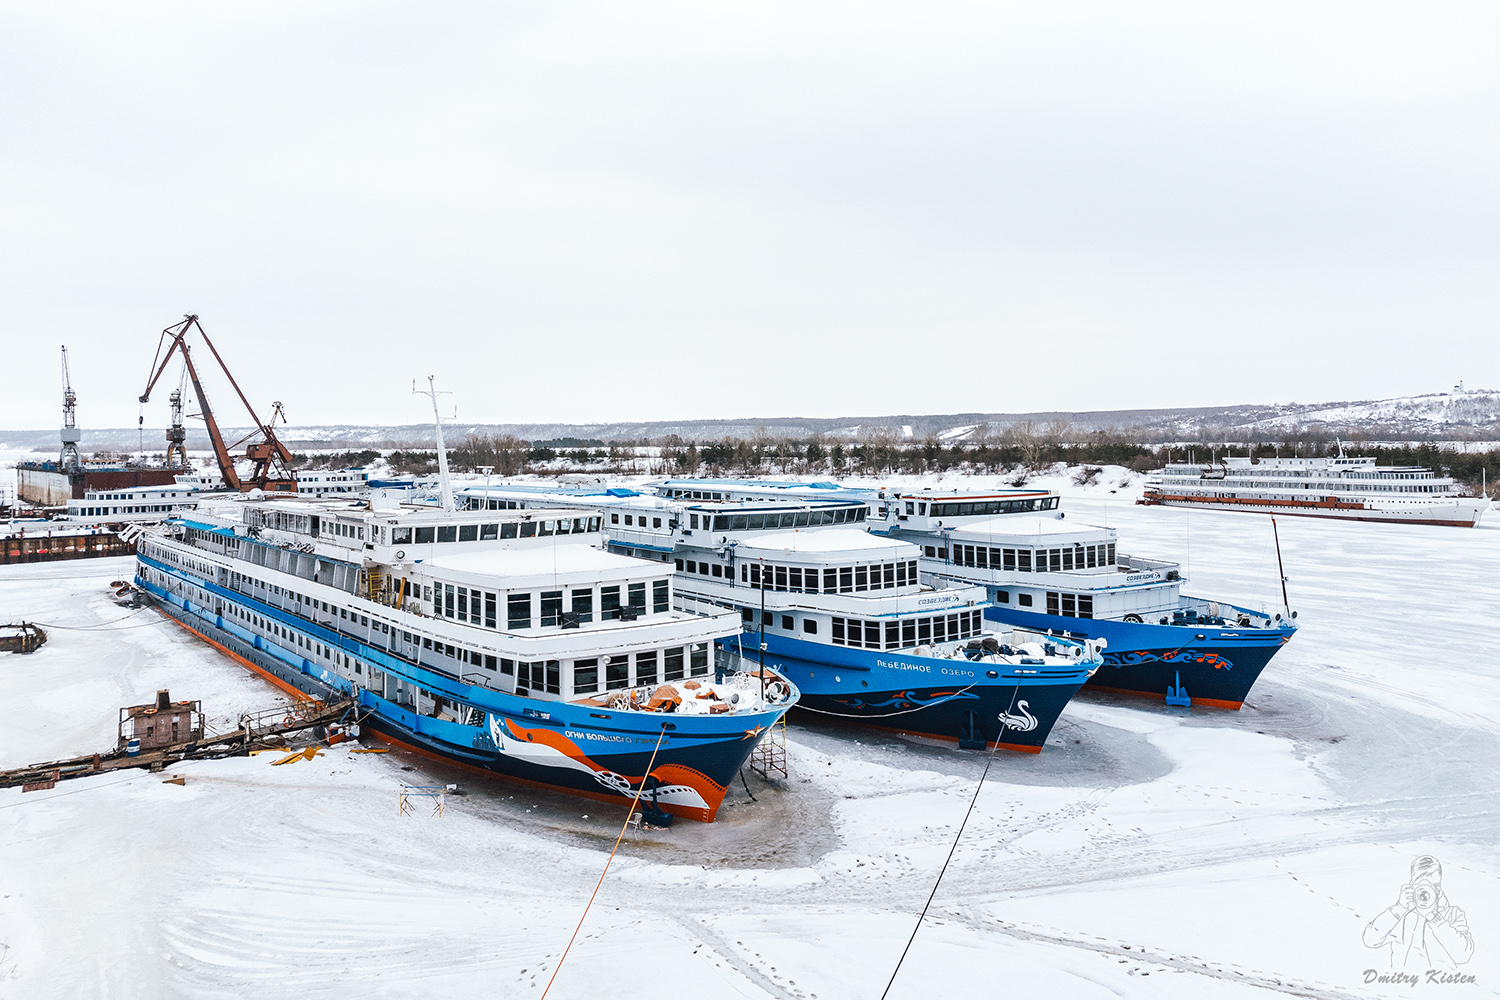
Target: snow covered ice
x,y
1147,852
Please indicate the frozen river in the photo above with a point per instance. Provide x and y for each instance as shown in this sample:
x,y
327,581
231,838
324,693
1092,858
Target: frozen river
x,y
1146,852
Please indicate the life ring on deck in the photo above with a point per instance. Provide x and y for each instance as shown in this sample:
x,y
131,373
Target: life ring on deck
x,y
288,720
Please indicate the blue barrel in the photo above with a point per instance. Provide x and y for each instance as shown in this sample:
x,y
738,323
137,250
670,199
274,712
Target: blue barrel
x,y
133,748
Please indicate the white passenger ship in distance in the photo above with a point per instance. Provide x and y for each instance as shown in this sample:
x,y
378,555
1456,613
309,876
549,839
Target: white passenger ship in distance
x,y
1351,489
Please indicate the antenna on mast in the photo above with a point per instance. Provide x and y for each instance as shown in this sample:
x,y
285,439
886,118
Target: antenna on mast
x,y
1286,605
446,485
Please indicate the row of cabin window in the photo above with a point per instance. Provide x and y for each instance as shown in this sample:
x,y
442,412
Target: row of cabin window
x,y
138,509
768,620
619,672
127,496
489,532
281,521
237,579
635,520
696,495
835,580
1023,560
906,632
708,568
772,519
481,607
480,503
1064,605
969,508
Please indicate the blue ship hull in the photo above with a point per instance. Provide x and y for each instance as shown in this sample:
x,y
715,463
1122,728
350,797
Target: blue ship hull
x,y
582,749
1167,661
946,699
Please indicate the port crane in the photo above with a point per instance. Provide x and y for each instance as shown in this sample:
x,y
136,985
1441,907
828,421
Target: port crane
x,y
176,433
68,459
271,458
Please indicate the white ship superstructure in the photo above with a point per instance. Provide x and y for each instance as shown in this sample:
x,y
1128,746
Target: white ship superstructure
x,y
842,612
133,504
1353,489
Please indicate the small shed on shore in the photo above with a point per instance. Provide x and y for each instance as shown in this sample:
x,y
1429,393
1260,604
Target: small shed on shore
x,y
162,723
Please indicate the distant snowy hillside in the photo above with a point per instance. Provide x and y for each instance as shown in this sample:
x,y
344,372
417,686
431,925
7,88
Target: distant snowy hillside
x,y
1435,412
1456,415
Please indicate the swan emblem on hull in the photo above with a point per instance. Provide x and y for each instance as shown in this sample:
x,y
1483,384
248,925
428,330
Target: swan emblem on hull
x,y
1021,721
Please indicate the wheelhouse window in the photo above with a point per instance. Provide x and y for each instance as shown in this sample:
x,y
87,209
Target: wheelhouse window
x,y
616,672
585,676
583,605
518,611
552,602
645,667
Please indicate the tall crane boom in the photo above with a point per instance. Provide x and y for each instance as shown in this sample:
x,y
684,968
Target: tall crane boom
x,y
69,459
270,456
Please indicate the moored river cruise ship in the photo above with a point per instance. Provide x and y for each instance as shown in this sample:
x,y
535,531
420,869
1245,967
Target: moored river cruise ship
x,y
505,640
843,613
1043,572
1349,489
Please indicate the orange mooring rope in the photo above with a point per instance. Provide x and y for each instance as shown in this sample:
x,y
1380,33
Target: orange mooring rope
x,y
634,802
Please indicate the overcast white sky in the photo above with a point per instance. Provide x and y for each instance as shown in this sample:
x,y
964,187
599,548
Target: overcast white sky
x,y
578,212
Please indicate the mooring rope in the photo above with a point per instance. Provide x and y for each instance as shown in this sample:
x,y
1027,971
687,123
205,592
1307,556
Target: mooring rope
x,y
610,860
97,626
990,759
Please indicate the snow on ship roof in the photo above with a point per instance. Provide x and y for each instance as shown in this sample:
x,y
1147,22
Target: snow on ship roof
x,y
826,540
1028,527
577,562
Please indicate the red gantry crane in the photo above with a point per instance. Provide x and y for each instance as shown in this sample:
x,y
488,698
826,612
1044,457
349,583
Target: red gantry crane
x,y
270,456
